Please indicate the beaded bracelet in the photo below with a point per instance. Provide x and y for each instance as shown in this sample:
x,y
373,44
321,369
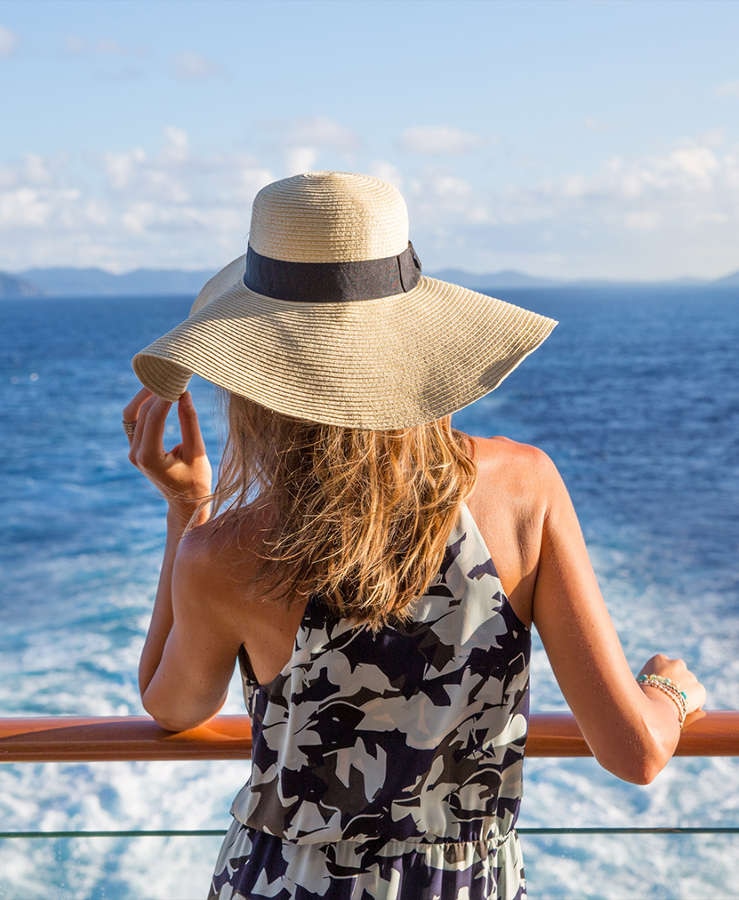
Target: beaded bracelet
x,y
668,687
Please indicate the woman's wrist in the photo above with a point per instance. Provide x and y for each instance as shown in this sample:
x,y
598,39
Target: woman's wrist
x,y
668,689
181,515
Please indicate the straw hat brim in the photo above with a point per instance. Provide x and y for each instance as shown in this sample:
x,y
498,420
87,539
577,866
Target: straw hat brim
x,y
383,363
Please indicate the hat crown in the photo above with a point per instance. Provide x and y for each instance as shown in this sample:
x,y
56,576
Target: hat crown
x,y
329,217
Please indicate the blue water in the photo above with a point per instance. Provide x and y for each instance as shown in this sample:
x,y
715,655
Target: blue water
x,y
635,398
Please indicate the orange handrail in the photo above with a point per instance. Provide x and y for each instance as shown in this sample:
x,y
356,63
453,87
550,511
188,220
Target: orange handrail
x,y
75,739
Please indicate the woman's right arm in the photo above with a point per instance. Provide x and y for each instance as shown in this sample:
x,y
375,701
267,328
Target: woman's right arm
x,y
631,729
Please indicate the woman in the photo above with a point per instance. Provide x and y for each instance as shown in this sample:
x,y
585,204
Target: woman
x,y
375,572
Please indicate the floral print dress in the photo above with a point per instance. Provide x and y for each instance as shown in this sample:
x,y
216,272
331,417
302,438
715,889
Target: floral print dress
x,y
388,766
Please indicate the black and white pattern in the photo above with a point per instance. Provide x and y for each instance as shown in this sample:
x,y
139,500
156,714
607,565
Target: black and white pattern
x,y
389,765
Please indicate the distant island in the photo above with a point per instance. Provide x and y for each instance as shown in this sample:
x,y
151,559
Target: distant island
x,y
71,282
12,286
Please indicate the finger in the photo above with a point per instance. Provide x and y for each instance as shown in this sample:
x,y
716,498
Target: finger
x,y
131,409
150,431
135,438
130,430
192,437
131,413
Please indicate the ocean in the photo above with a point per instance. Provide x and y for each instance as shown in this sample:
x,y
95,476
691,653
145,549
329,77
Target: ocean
x,y
634,397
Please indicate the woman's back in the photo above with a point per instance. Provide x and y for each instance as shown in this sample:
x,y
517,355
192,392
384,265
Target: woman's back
x,y
507,504
391,761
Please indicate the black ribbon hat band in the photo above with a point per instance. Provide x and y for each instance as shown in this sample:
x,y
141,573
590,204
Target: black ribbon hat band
x,y
332,282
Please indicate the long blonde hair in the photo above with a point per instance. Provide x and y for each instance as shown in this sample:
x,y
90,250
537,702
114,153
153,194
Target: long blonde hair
x,y
360,518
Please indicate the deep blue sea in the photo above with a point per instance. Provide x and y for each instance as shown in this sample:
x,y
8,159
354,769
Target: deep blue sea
x,y
635,398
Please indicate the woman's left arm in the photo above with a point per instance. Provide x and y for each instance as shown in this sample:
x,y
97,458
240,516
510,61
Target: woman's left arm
x,y
184,667
189,682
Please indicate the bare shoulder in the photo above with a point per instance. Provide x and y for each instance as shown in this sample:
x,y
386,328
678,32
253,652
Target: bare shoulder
x,y
220,559
522,470
221,564
504,448
510,503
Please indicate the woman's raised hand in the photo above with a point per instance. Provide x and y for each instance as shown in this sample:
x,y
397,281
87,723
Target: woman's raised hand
x,y
183,474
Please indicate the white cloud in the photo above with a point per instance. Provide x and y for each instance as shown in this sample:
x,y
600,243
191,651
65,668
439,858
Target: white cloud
x,y
250,177
661,215
157,207
696,163
387,172
644,220
685,169
322,132
438,141
162,185
157,177
23,207
191,66
140,216
451,186
728,89
574,186
36,208
96,213
8,178
176,144
672,213
36,169
300,159
8,42
315,143
121,167
714,137
442,197
103,48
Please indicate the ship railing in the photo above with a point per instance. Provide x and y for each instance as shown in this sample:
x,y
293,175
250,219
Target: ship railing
x,y
85,739
74,739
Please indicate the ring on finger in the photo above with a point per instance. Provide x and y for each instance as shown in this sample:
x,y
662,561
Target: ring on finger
x,y
129,428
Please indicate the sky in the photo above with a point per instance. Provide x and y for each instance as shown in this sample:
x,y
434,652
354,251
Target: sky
x,y
563,139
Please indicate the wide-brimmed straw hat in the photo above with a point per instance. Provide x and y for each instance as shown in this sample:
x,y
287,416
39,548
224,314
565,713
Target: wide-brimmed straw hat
x,y
328,318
